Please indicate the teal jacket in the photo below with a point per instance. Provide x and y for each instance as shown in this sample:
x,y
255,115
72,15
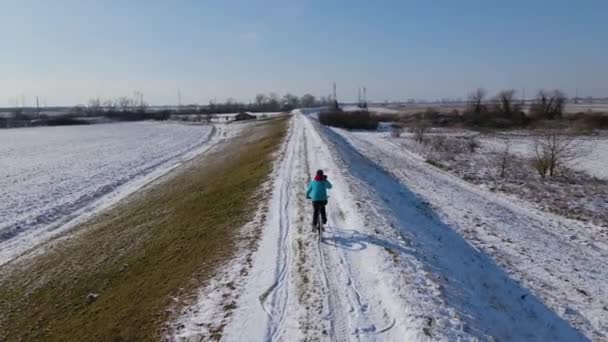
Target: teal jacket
x,y
317,190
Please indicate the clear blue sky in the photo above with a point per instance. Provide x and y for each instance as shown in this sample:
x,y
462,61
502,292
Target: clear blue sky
x,y
69,51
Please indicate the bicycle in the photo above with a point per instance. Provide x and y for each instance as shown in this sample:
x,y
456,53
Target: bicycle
x,y
319,227
319,221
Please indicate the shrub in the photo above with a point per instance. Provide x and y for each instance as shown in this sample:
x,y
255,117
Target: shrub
x,y
435,163
506,105
452,145
161,116
396,130
420,127
349,120
66,121
590,121
503,111
548,106
472,143
553,149
438,143
476,109
386,117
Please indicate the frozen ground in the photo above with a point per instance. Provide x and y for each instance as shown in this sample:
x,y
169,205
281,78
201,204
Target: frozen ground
x,y
52,175
410,253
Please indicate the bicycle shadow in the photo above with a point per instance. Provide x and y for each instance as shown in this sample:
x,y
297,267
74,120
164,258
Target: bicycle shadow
x,y
354,241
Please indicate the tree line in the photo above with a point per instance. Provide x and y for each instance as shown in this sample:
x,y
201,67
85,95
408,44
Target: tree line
x,y
506,110
262,103
135,107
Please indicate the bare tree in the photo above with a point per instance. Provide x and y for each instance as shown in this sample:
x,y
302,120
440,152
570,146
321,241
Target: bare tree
x,y
260,100
274,102
291,101
506,104
138,102
110,105
325,100
553,149
396,130
77,111
420,128
308,100
124,104
476,100
548,105
94,107
504,158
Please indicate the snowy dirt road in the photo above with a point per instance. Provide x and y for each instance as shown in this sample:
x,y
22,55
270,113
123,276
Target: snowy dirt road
x,y
388,268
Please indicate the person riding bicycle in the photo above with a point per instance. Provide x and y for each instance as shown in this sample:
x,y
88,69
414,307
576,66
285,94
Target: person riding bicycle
x,y
317,192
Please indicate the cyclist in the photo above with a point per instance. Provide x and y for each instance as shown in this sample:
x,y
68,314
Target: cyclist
x,y
317,192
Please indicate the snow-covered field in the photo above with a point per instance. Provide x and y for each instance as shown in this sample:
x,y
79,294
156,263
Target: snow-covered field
x,y
410,253
593,157
50,176
561,261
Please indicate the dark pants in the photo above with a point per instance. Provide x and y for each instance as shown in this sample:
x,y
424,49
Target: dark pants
x,y
319,208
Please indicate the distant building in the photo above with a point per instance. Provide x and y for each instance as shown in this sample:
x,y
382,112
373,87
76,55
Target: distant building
x,y
242,116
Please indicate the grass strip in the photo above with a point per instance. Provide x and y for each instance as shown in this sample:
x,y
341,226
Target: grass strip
x,y
140,255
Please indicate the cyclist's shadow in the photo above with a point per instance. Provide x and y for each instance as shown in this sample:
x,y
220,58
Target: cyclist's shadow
x,y
353,240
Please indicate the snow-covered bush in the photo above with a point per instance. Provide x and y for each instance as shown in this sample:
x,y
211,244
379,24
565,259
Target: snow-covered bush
x,y
472,143
396,130
420,128
447,144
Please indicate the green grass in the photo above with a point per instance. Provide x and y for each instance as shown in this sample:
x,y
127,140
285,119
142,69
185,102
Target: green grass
x,y
139,255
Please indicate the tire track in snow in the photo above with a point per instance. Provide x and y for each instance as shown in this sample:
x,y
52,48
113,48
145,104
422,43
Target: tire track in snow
x,y
274,300
340,323
350,311
329,313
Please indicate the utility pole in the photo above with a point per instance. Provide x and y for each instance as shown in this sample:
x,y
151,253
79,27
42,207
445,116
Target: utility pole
x,y
335,96
37,107
334,104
